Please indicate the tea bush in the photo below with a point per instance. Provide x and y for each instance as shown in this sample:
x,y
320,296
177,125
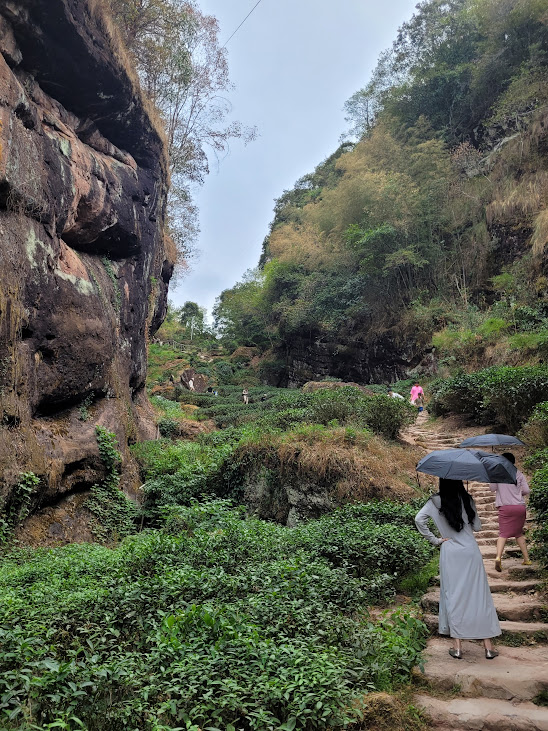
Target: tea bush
x,y
215,621
535,431
504,394
285,408
538,502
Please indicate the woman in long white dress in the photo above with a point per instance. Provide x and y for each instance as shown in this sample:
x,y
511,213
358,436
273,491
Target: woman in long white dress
x,y
466,610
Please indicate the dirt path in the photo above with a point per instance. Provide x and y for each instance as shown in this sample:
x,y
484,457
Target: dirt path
x,y
475,693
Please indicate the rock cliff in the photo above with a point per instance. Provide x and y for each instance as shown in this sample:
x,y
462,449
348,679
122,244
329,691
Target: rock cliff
x,y
84,273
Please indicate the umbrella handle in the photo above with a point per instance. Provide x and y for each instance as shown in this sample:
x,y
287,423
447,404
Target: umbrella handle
x,y
418,480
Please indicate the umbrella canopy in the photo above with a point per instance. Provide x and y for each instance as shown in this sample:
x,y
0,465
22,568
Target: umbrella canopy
x,y
465,464
491,440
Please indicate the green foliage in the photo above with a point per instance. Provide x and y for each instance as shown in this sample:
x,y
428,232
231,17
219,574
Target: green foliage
x,y
505,394
115,284
535,431
83,409
18,506
162,456
538,502
381,414
168,427
115,515
395,233
159,356
286,408
215,622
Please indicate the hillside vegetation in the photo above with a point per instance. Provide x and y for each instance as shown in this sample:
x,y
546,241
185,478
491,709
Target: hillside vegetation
x,y
431,227
198,615
266,579
191,612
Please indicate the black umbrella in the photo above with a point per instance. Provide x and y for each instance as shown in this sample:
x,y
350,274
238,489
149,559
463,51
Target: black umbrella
x,y
466,464
491,440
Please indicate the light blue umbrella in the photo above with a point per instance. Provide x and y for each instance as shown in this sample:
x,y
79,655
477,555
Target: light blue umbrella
x,y
467,464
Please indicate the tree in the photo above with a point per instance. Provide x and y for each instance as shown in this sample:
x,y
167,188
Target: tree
x,y
242,315
184,71
192,317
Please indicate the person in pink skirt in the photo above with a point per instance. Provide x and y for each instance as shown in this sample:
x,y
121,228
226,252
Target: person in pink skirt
x,y
511,508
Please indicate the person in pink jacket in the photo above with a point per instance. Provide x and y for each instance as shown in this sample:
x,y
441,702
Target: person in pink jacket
x,y
417,396
511,508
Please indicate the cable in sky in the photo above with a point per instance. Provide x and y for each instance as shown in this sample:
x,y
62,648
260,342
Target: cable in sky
x,y
243,21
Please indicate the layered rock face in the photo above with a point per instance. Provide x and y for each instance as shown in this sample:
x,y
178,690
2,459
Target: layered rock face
x,y
84,271
378,358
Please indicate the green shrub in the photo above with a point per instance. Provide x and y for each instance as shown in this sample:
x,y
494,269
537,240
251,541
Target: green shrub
x,y
349,405
530,341
168,427
502,393
18,505
535,431
214,622
115,515
387,416
538,502
493,327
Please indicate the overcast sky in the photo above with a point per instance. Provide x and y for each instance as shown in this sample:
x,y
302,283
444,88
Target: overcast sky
x,y
294,64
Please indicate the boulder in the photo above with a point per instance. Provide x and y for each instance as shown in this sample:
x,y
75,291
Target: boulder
x,y
193,381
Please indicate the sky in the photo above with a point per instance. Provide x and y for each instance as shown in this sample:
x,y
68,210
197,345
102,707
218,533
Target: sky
x,y
294,63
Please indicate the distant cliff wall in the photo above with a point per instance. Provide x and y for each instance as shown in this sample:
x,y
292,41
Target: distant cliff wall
x,y
84,270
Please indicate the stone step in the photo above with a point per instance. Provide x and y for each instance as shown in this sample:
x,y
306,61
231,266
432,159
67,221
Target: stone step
x,y
489,533
511,607
506,585
491,551
483,714
512,568
477,676
521,631
498,585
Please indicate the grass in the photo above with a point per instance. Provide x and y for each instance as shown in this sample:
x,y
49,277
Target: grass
x,y
418,583
355,469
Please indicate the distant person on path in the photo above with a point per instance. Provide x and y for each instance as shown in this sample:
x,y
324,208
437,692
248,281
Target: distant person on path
x,y
511,508
393,394
191,385
245,394
466,609
417,396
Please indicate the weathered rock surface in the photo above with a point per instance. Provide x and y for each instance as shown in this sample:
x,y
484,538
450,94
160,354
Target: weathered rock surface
x,y
84,270
371,358
286,501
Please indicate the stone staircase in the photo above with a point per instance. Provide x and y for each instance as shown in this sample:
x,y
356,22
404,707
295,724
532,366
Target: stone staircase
x,y
475,693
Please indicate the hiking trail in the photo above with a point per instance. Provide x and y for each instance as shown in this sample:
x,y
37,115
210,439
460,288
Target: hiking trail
x,y
475,693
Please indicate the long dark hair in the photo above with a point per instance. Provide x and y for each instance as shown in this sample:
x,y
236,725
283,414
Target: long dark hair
x,y
453,496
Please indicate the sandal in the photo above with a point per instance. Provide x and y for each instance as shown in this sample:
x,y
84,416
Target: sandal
x,y
457,654
498,564
527,563
491,654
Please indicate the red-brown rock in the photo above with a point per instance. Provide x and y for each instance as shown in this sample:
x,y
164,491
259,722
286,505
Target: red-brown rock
x,y
84,271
